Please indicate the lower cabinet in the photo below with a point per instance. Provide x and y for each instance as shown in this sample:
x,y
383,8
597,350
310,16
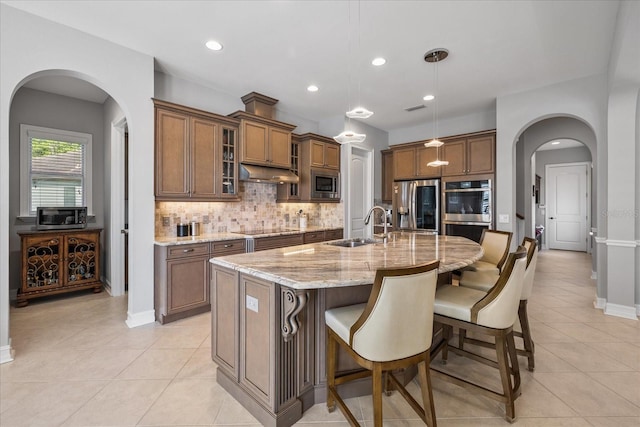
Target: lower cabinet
x,y
274,242
182,277
335,234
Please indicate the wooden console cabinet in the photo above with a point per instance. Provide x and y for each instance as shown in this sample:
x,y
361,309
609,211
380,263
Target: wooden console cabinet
x,y
59,261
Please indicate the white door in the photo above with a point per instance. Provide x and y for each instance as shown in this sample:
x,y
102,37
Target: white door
x,y
359,189
567,208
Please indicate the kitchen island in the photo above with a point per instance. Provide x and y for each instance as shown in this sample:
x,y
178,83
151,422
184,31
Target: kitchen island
x,y
267,313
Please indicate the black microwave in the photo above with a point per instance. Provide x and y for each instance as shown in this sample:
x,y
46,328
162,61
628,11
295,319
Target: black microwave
x,y
325,184
54,218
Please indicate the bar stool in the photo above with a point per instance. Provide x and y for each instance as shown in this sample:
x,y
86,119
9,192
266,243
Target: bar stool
x,y
484,281
492,313
393,330
496,245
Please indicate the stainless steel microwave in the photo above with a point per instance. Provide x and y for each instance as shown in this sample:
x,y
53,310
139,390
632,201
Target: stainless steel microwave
x,y
325,184
55,218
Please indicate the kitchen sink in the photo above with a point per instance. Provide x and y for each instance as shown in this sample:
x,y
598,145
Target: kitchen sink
x,y
352,243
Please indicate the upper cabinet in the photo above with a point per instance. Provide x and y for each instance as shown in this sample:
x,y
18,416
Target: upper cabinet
x,y
469,155
291,192
264,141
410,162
195,154
324,154
387,175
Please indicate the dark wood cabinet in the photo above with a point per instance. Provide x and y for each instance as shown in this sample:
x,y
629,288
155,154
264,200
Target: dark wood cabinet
x,y
387,176
274,242
469,155
60,261
321,155
335,234
324,154
195,154
410,162
264,141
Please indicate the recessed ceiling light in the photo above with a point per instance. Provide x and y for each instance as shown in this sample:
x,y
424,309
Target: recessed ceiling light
x,y
429,97
379,61
555,143
312,88
213,45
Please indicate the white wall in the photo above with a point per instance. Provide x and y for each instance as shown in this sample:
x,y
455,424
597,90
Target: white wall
x,y
32,46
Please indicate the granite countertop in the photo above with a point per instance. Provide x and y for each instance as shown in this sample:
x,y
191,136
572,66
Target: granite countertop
x,y
322,265
218,237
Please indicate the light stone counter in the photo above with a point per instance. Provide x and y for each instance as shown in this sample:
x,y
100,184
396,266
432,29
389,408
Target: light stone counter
x,y
322,265
218,237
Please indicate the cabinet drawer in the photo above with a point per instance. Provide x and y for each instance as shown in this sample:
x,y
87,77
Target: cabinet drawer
x,y
264,243
228,247
314,236
334,234
183,251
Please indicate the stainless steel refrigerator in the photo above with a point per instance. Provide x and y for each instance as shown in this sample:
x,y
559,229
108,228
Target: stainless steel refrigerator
x,y
416,205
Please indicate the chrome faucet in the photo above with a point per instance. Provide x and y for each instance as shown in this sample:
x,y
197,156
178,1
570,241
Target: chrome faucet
x,y
385,235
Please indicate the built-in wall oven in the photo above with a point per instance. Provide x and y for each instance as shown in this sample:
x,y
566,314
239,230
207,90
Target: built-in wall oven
x,y
467,207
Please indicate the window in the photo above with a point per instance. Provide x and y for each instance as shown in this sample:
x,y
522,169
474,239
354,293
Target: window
x,y
55,168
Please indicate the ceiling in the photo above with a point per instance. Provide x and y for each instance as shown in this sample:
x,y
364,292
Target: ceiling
x,y
278,48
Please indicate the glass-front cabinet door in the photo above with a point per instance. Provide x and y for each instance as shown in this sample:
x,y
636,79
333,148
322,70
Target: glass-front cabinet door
x,y
229,162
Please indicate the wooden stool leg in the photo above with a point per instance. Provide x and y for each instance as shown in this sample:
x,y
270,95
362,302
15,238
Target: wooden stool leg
x,y
515,367
427,394
377,394
505,376
447,332
526,334
462,334
332,350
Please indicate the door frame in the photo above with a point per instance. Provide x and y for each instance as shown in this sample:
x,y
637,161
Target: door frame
x,y
588,166
117,217
346,154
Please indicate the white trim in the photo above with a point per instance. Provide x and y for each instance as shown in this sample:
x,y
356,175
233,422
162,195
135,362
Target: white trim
x,y
29,131
601,240
622,243
638,309
624,311
138,319
600,303
106,285
594,274
6,353
117,217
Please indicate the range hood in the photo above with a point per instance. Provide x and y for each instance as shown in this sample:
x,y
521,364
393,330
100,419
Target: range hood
x,y
255,173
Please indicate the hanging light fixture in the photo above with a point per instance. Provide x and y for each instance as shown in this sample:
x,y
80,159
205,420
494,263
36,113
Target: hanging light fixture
x,y
435,56
348,136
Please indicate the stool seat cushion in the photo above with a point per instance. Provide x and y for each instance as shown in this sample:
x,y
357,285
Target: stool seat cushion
x,y
483,266
456,301
480,280
341,319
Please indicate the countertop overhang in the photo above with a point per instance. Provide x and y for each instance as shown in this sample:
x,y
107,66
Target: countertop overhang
x,y
322,265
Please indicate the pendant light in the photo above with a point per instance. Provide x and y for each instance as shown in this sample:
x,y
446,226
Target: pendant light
x,y
348,136
435,56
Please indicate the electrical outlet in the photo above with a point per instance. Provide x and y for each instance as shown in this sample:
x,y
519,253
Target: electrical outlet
x,y
205,219
252,303
166,221
503,218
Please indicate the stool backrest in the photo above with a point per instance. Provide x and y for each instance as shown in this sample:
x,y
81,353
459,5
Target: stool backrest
x,y
397,321
499,308
496,246
532,260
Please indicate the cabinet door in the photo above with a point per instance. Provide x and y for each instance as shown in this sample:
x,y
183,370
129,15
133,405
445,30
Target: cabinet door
x,y
455,153
424,155
404,163
480,154
280,148
332,156
172,154
227,174
387,176
225,319
317,154
42,263
187,284
255,143
82,263
203,157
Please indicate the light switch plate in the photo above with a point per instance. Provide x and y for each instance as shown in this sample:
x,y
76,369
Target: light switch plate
x,y
166,221
252,303
503,218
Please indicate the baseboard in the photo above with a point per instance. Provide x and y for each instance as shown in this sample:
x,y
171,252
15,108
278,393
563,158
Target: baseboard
x,y
6,353
138,319
594,274
13,294
624,311
600,303
638,310
106,285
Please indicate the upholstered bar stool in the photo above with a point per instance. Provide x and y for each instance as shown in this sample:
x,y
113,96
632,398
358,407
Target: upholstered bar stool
x,y
484,281
393,330
493,314
496,247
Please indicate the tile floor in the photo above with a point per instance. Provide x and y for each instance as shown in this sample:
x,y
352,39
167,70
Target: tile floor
x,y
77,364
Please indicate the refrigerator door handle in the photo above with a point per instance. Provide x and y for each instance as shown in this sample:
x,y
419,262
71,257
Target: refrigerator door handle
x,y
412,205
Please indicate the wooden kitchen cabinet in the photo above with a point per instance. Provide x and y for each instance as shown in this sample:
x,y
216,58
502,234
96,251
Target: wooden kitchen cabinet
x,y
195,154
264,141
410,162
335,234
273,242
59,261
387,176
290,192
470,155
314,237
321,155
324,154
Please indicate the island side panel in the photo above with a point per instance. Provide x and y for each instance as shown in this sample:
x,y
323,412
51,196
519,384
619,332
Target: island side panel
x,y
225,319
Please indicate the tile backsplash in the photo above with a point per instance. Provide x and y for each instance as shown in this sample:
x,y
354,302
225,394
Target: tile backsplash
x,y
256,209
